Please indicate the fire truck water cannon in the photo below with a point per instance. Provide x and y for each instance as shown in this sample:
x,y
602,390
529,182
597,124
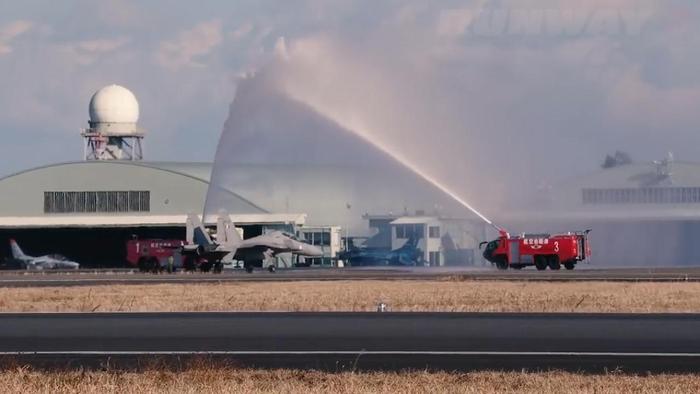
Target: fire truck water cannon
x,y
539,250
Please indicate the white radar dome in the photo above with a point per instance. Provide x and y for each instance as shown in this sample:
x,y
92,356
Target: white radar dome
x,y
114,110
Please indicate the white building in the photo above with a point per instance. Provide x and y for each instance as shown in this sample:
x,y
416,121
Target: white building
x,y
327,238
444,241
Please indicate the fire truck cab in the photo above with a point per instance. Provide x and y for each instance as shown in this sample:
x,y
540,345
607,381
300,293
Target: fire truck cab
x,y
539,250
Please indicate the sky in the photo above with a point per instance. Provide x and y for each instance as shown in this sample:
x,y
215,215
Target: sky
x,y
537,89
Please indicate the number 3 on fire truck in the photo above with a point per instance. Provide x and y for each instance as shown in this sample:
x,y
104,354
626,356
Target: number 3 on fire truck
x,y
556,246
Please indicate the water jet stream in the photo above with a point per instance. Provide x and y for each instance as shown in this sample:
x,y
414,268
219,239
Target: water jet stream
x,y
366,135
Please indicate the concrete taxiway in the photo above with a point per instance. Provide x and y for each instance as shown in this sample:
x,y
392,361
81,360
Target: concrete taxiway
x,y
341,341
586,273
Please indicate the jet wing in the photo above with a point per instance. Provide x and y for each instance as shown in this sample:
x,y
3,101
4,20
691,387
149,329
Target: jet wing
x,y
51,262
263,242
276,243
43,263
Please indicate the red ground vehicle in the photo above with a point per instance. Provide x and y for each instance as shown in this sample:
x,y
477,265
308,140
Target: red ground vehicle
x,y
152,254
540,250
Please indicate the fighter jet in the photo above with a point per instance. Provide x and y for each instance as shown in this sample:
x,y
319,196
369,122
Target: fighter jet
x,y
43,262
407,255
229,245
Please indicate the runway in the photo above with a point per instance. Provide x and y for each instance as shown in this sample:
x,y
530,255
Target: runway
x,y
582,274
360,341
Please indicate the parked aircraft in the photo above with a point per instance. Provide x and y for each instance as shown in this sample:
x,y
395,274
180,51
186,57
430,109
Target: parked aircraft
x,y
229,245
408,254
42,262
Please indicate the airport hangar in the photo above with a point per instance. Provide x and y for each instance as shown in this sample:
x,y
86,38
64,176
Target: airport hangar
x,y
640,213
87,210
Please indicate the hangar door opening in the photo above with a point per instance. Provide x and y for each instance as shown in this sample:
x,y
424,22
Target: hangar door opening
x,y
92,248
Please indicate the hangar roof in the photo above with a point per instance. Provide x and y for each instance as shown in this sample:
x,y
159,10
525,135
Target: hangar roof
x,y
115,193
635,175
662,190
197,170
331,195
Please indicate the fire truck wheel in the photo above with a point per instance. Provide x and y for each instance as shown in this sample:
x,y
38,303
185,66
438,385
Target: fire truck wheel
x,y
554,263
154,265
188,264
540,263
143,267
502,264
569,265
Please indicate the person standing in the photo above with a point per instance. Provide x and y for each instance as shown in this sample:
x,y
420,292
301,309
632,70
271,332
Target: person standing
x,y
171,264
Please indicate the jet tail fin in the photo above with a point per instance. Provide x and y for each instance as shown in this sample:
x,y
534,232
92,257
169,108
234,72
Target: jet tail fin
x,y
448,244
411,243
196,232
226,231
17,251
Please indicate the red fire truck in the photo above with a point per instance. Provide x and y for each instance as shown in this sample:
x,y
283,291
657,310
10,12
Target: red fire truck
x,y
540,250
151,255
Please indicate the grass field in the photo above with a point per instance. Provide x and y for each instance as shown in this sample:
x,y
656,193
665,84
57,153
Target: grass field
x,y
220,380
450,296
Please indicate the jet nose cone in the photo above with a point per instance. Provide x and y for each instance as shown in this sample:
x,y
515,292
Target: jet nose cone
x,y
313,251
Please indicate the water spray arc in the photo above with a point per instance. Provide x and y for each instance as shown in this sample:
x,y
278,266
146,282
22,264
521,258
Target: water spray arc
x,y
366,136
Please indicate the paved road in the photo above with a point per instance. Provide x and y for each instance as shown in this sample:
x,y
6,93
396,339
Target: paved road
x,y
587,273
449,341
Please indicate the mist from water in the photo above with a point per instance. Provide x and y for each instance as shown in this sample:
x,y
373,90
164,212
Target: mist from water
x,y
487,121
370,138
323,96
358,97
301,160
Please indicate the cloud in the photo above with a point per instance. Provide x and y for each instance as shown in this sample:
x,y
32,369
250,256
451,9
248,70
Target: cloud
x,y
89,51
454,22
409,65
242,31
637,102
190,45
11,31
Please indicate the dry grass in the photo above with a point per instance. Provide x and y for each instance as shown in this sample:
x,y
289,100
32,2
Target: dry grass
x,y
350,296
360,296
288,381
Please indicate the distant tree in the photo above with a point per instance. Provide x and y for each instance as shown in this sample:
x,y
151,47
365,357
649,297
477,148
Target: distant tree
x,y
617,159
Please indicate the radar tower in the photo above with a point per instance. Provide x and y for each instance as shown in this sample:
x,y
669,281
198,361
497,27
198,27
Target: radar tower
x,y
113,133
